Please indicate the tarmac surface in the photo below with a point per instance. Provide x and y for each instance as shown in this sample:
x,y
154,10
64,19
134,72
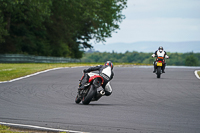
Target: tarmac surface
x,y
140,103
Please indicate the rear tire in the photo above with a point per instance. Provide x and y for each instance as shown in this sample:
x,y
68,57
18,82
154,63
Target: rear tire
x,y
158,72
88,98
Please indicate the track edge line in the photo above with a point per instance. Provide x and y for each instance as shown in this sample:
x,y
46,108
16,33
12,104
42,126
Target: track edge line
x,y
40,128
195,72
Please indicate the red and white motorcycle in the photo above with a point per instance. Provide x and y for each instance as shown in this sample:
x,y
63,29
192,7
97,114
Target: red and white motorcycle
x,y
159,66
89,93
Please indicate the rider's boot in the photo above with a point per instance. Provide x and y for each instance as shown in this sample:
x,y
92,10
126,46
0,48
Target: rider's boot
x,y
163,68
154,68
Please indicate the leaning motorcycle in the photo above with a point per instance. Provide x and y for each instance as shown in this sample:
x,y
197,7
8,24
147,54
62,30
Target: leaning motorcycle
x,y
159,64
90,91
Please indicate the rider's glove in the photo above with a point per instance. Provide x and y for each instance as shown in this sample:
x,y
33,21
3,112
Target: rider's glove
x,y
167,57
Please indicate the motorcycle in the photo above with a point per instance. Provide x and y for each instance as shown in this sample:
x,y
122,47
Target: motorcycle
x,y
89,93
159,66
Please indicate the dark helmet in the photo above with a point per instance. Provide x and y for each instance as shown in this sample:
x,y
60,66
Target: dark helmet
x,y
160,48
109,63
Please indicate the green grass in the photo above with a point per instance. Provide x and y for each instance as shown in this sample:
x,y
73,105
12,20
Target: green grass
x,y
5,129
198,73
10,71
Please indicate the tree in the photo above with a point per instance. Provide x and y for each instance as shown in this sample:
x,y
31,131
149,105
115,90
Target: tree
x,y
23,22
60,28
191,61
3,31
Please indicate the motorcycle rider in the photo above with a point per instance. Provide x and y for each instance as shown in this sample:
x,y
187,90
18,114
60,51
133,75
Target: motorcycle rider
x,y
160,53
106,72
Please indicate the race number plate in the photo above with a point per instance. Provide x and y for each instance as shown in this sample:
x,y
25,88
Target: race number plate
x,y
159,64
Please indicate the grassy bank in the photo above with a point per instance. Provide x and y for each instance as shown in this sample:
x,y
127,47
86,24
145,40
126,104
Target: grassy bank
x,y
10,71
5,129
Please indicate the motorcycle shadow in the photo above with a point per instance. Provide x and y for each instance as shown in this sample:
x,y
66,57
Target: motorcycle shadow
x,y
96,104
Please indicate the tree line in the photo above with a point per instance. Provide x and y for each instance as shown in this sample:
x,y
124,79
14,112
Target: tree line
x,y
177,59
60,28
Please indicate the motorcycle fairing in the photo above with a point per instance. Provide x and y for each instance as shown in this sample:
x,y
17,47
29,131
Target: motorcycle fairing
x,y
93,76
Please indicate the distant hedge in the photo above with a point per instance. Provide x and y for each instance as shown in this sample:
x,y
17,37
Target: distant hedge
x,y
177,59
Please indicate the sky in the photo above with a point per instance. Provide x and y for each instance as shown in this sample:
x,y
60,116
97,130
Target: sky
x,y
158,20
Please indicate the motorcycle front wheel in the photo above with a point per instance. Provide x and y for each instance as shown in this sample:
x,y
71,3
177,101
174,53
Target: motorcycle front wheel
x,y
77,100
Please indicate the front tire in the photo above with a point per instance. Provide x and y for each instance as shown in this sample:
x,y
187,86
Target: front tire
x,y
88,98
77,100
158,72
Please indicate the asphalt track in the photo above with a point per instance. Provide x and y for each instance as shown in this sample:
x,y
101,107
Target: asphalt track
x,y
140,103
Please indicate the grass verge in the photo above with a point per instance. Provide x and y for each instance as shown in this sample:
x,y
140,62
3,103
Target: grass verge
x,y
198,72
10,71
5,129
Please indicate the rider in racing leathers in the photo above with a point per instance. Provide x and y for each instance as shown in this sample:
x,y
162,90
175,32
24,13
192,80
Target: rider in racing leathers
x,y
160,53
106,72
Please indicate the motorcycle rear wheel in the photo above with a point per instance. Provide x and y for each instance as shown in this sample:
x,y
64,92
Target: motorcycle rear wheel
x,y
158,72
88,98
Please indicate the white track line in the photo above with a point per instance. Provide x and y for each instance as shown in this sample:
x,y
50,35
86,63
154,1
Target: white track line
x,y
40,128
195,72
31,75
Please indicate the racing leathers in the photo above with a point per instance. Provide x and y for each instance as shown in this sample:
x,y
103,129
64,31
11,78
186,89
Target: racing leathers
x,y
160,54
106,73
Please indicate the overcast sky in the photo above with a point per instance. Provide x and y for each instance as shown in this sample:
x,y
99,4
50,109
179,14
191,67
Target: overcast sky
x,y
159,20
